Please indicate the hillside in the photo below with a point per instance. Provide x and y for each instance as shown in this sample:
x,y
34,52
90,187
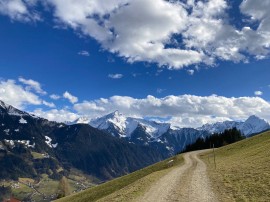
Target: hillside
x,y
242,172
45,151
130,186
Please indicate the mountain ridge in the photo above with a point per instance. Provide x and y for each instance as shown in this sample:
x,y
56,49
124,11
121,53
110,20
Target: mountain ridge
x,y
126,125
89,149
163,136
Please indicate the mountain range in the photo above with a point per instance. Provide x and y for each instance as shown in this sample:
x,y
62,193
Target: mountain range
x,y
64,147
163,136
105,147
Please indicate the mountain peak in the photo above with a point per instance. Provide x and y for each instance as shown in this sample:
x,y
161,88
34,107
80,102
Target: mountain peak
x,y
254,118
11,110
83,119
254,125
116,113
3,105
125,126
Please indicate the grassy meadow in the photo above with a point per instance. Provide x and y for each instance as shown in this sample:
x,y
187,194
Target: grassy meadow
x,y
243,170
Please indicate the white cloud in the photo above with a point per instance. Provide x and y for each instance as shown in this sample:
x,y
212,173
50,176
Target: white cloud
x,y
169,33
89,106
61,115
258,93
72,99
115,76
149,26
16,95
19,10
187,110
160,90
48,104
84,53
190,72
154,22
32,85
55,96
186,121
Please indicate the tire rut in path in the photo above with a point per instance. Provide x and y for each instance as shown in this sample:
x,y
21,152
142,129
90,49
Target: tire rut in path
x,y
185,183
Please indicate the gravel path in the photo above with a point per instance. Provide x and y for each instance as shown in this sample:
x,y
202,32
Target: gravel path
x,y
185,183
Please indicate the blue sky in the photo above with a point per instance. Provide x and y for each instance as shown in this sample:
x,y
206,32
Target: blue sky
x,y
192,61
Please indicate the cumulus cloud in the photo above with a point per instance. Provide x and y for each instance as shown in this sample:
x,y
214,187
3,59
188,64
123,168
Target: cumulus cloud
x,y
115,76
186,110
89,106
19,10
258,93
61,115
55,96
16,95
190,72
174,34
48,104
186,121
147,30
84,53
71,98
32,85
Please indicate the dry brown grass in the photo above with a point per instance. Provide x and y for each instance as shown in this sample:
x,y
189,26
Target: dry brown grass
x,y
243,170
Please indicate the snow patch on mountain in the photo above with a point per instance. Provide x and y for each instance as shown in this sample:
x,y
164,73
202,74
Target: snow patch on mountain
x,y
48,141
22,121
7,131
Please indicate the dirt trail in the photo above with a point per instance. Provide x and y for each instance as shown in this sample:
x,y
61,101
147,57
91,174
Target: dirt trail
x,y
186,183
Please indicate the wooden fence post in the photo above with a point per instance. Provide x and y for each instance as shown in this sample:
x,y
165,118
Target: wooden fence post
x,y
214,156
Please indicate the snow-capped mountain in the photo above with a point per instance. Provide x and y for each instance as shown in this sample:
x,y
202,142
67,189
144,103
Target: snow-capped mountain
x,y
145,132
119,125
162,136
5,108
64,146
83,120
251,126
219,127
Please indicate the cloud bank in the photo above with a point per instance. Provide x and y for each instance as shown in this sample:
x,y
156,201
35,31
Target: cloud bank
x,y
179,110
185,110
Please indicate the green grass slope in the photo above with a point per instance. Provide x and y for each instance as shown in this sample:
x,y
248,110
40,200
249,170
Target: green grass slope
x,y
243,170
131,184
